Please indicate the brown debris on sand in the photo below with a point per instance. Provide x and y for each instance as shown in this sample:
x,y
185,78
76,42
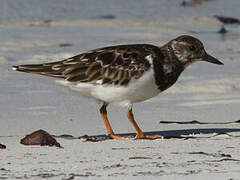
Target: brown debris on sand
x,y
41,138
91,138
2,146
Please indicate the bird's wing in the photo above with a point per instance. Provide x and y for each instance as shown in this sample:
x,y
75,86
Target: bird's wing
x,y
111,65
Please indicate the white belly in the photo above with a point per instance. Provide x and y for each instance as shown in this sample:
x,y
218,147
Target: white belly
x,y
137,90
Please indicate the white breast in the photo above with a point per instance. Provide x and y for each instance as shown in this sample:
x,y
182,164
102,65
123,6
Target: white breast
x,y
136,91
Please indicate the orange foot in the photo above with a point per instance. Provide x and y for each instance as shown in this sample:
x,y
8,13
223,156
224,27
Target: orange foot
x,y
143,136
115,136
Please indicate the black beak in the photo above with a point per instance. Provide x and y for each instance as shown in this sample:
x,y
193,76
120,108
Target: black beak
x,y
211,59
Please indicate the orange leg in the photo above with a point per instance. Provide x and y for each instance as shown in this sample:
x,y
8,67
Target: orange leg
x,y
140,134
103,112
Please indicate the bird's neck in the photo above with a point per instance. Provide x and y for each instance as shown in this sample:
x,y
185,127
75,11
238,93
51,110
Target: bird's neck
x,y
167,69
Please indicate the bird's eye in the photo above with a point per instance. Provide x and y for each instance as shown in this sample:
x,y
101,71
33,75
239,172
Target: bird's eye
x,y
192,48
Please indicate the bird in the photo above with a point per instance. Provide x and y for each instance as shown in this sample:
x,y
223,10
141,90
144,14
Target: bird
x,y
227,20
124,74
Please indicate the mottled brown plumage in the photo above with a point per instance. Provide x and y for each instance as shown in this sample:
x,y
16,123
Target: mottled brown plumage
x,y
115,65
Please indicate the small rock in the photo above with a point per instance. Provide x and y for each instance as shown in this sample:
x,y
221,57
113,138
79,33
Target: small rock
x,y
185,3
189,3
107,16
2,146
41,138
65,45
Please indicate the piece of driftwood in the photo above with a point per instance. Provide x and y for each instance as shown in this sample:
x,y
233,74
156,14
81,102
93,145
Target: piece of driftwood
x,y
41,138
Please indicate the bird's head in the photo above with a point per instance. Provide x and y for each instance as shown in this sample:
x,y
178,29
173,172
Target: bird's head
x,y
188,49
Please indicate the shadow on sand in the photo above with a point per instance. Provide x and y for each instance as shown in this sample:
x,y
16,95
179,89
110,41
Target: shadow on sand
x,y
179,134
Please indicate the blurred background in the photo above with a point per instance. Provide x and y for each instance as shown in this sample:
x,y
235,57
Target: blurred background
x,y
33,31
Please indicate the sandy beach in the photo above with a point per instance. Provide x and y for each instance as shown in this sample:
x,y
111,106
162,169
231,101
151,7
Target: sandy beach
x,y
41,32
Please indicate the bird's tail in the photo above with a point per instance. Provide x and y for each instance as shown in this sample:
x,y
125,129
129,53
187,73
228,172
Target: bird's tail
x,y
36,68
41,69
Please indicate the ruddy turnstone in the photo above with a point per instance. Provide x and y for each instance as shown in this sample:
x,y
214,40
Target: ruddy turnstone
x,y
124,74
